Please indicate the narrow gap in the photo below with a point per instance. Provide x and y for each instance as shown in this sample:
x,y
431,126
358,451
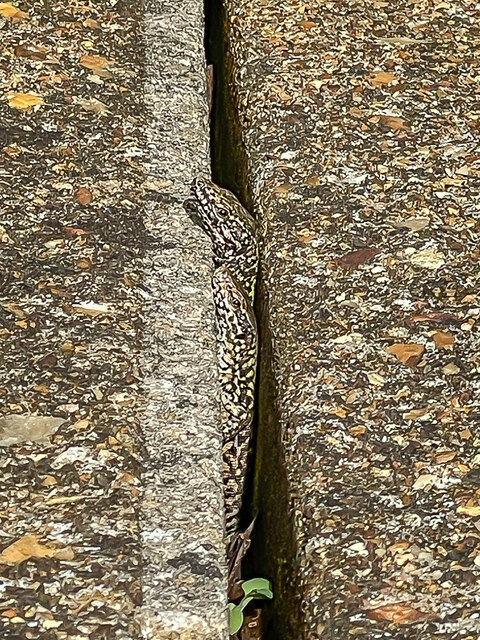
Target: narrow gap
x,y
266,487
211,10
228,163
228,166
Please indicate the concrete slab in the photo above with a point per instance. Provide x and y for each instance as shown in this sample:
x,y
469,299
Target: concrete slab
x,y
111,490
361,134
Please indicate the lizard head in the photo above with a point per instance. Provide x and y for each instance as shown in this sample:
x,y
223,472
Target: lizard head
x,y
230,227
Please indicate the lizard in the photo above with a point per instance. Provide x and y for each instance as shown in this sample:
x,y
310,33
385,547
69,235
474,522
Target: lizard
x,y
233,233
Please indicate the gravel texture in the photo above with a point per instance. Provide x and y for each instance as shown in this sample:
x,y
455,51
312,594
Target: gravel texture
x,y
361,129
110,496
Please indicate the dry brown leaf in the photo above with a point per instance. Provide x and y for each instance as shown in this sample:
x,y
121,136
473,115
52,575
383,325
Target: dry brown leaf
x,y
94,62
397,547
8,10
354,259
126,478
81,424
445,456
9,613
306,235
414,414
73,232
398,613
92,24
355,112
83,196
443,340
97,64
42,388
394,123
84,263
464,170
307,24
24,101
381,77
357,431
472,511
284,188
30,51
455,182
49,361
29,547
407,353
338,411
56,291
17,311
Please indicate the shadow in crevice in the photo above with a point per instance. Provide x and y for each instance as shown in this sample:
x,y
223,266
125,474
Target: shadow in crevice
x,y
229,165
272,552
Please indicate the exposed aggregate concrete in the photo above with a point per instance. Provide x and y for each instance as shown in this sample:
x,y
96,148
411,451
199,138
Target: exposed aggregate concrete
x,y
111,513
360,124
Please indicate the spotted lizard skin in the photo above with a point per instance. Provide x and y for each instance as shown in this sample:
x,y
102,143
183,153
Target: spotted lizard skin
x,y
233,234
237,360
231,229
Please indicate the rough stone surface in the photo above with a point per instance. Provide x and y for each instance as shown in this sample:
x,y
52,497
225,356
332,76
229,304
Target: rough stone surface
x,y
361,132
111,508
71,244
182,518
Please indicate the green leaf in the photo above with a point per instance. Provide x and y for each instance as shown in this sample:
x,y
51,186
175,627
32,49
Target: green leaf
x,y
258,588
245,601
235,618
254,588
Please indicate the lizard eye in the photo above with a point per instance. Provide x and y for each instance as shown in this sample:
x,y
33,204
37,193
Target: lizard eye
x,y
236,303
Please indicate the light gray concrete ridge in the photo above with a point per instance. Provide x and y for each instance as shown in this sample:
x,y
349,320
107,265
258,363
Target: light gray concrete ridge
x,y
184,580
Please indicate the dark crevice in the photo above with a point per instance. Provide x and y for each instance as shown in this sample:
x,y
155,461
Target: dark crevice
x,y
228,162
227,153
266,493
211,11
